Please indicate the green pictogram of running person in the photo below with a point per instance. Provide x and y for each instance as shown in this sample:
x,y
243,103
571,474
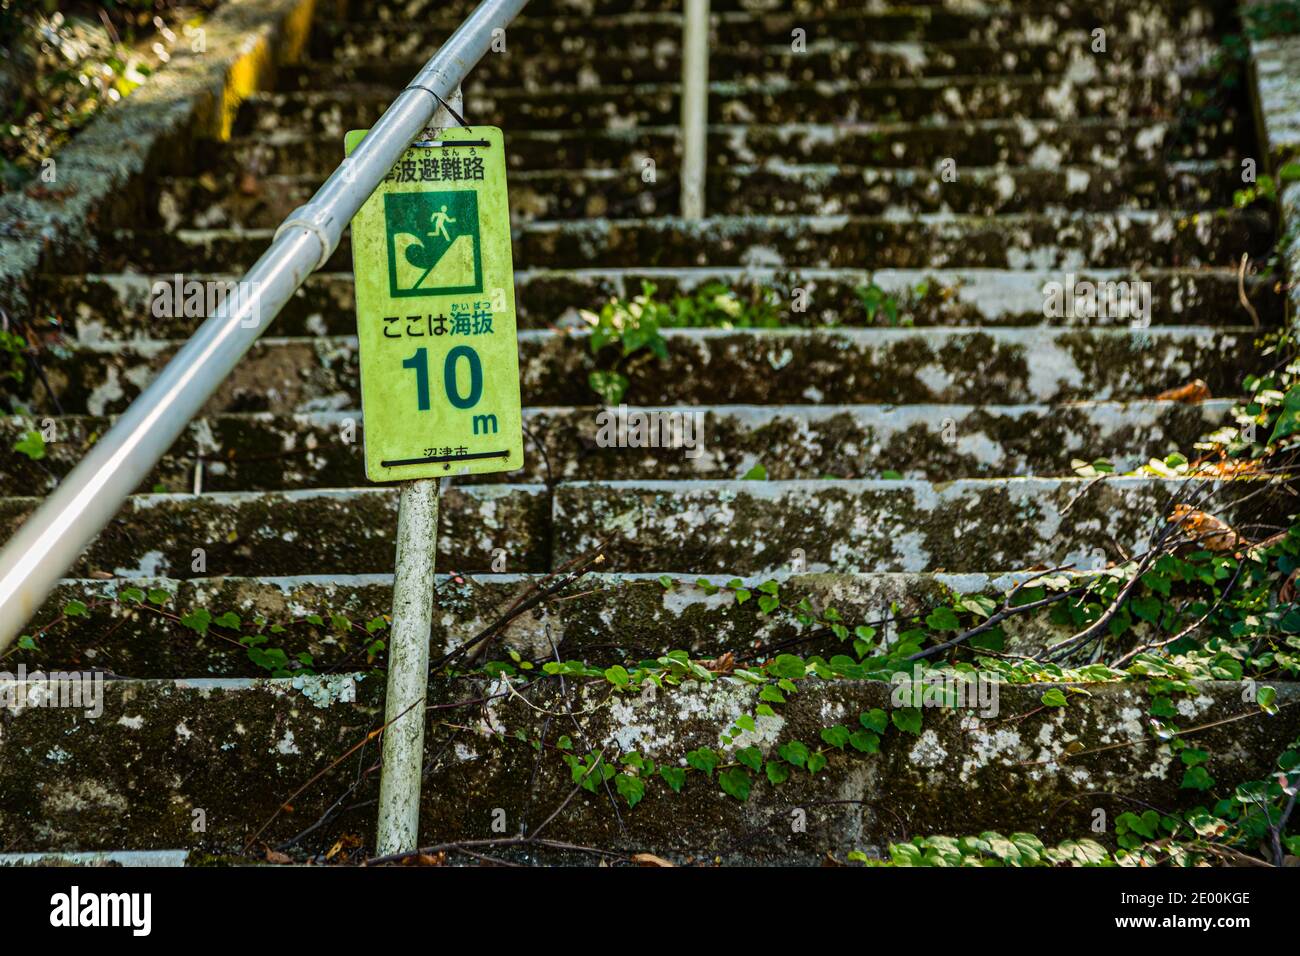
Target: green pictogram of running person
x,y
433,243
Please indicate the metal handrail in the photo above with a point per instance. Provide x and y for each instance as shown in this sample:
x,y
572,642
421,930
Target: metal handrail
x,y
52,539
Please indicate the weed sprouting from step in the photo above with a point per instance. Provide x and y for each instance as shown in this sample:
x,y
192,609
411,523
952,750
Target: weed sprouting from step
x,y
634,327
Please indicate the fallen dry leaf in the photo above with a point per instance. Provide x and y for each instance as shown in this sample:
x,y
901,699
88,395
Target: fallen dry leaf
x,y
724,664
426,859
1194,391
274,856
248,184
1287,594
649,859
1210,532
101,575
349,841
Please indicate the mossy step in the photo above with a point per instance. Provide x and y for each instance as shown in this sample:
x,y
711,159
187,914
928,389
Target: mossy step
x,y
342,531
237,749
118,306
533,33
264,452
821,59
756,527
1131,239
720,367
403,10
610,619
939,100
264,202
1040,144
723,527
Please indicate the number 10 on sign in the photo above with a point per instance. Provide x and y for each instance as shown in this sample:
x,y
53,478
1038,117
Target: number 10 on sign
x,y
436,312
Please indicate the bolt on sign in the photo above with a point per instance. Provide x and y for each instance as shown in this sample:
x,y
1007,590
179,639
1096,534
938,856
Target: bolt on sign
x,y
435,298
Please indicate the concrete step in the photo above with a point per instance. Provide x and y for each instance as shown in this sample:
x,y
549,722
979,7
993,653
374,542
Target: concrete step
x,y
237,749
339,531
1131,239
940,100
142,638
1038,144
754,527
722,527
716,366
586,65
238,201
388,11
266,452
533,33
118,306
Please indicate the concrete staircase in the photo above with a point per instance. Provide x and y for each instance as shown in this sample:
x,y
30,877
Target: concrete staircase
x,y
903,457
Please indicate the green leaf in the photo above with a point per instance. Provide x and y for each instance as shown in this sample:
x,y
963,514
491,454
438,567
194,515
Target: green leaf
x,y
771,694
228,620
158,596
32,444
777,772
942,619
704,759
1266,697
665,580
757,473
836,737
874,719
197,621
794,752
630,788
75,609
907,719
26,643
751,757
787,666
617,675
609,386
767,604
865,741
1197,778
1288,422
735,782
816,761
1053,698
675,777
130,596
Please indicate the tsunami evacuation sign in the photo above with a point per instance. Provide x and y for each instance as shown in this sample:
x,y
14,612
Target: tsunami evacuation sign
x,y
436,312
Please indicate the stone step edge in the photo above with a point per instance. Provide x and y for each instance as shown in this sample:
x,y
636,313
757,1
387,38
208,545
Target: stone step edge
x,y
760,489
289,136
738,410
796,169
859,334
91,858
764,85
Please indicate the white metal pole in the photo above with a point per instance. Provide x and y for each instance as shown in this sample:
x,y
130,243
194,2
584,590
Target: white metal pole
x,y
695,106
408,668
408,643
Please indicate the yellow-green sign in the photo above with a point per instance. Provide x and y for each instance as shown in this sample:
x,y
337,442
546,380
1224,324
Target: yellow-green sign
x,y
436,312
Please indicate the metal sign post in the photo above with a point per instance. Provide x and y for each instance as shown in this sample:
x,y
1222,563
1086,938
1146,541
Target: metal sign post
x,y
439,388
